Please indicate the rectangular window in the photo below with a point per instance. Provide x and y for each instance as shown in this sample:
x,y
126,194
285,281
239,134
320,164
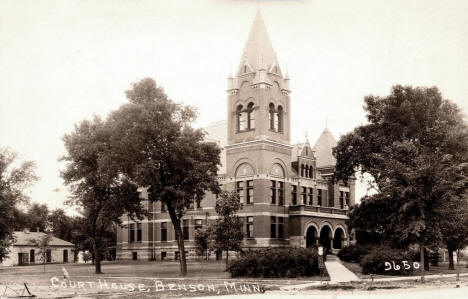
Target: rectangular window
x,y
185,229
164,231
249,227
134,255
250,192
163,255
304,195
139,232
163,207
272,227
347,199
311,196
131,232
281,227
176,255
240,191
341,199
273,192
319,197
49,256
294,195
280,193
198,224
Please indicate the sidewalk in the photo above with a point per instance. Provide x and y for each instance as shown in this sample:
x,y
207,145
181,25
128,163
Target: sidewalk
x,y
338,272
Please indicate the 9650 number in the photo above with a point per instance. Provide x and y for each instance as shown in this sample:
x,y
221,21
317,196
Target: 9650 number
x,y
405,265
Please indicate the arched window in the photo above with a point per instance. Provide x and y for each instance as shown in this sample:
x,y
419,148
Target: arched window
x,y
279,116
307,171
250,116
241,119
311,172
302,169
272,116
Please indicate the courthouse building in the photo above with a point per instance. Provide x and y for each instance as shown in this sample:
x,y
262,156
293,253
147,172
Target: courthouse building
x,y
288,197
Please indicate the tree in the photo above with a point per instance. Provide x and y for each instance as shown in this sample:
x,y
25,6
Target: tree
x,y
158,149
415,149
14,179
43,244
202,241
227,230
37,216
101,192
455,228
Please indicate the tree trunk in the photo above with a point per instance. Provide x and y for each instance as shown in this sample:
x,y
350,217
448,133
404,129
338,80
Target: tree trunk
x,y
180,240
97,259
426,260
450,254
421,251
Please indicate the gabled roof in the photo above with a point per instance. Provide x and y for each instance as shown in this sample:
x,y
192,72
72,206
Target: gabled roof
x,y
323,149
258,50
25,238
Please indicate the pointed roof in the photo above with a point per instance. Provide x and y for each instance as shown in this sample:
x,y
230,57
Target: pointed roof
x,y
258,50
323,149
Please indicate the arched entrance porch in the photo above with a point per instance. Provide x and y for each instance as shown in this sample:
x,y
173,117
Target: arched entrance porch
x,y
339,238
311,236
326,238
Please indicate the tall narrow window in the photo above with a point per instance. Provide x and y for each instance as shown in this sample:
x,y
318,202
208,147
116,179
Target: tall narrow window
x,y
273,192
240,191
241,119
249,227
164,231
302,170
341,199
250,192
280,193
294,195
311,196
311,172
185,229
279,116
198,224
347,199
307,171
304,195
319,197
272,116
139,232
251,116
272,227
280,227
132,233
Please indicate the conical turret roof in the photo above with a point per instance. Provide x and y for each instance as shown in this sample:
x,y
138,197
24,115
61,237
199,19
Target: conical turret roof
x,y
258,50
324,149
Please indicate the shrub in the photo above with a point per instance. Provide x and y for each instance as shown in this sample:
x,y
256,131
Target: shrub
x,y
353,253
276,262
374,261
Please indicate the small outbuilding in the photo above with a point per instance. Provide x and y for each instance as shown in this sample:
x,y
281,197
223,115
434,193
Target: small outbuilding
x,y
23,252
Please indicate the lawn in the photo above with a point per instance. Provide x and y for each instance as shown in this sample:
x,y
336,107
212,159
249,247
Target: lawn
x,y
126,278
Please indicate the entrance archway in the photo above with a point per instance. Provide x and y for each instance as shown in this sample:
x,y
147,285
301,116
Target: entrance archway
x,y
311,236
325,237
338,238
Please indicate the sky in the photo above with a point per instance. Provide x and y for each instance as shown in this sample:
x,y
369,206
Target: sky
x,y
65,61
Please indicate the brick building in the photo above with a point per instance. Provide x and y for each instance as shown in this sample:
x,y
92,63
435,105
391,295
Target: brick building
x,y
286,190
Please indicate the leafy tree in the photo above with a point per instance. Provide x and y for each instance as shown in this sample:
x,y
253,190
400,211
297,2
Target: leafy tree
x,y
227,230
101,192
14,179
415,149
202,241
43,244
455,227
37,216
157,148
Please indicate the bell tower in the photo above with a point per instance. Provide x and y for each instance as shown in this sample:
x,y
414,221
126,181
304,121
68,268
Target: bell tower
x,y
258,94
258,106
